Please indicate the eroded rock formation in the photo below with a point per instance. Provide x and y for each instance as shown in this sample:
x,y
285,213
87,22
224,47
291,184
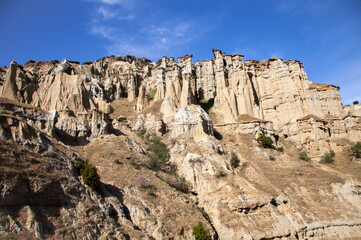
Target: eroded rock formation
x,y
206,113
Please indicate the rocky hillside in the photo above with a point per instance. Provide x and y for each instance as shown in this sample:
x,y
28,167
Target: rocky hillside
x,y
253,150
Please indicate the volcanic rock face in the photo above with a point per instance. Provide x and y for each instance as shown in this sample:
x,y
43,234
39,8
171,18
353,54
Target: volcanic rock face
x,y
206,113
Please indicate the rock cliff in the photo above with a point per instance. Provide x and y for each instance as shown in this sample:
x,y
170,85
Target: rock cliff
x,y
162,136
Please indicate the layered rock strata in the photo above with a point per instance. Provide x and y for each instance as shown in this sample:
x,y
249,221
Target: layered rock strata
x,y
270,90
271,195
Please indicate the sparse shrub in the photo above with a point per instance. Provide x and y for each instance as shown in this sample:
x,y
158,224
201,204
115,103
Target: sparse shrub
x,y
30,61
220,174
152,94
356,150
234,160
214,94
116,161
272,158
134,163
265,141
159,148
280,149
89,174
149,188
355,102
54,61
153,163
158,154
201,233
328,158
180,184
206,104
142,132
87,63
75,62
304,156
147,137
122,119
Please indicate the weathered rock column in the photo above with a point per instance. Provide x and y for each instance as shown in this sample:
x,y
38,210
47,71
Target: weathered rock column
x,y
160,85
10,89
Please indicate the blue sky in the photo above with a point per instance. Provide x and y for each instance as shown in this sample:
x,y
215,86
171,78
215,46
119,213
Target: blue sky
x,y
325,35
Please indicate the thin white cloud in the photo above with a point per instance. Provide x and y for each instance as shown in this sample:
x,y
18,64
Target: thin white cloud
x,y
106,13
117,2
308,6
182,29
102,31
150,50
156,41
123,3
152,35
126,17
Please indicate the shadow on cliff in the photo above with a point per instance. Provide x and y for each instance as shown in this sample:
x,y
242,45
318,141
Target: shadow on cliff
x,y
110,190
77,140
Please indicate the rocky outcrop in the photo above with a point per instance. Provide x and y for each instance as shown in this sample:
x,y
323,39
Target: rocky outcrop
x,y
141,100
150,123
252,207
354,110
42,198
206,114
246,125
192,120
26,124
318,136
10,89
270,90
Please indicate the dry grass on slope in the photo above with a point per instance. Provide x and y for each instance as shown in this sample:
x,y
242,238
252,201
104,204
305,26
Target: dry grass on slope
x,y
142,189
309,184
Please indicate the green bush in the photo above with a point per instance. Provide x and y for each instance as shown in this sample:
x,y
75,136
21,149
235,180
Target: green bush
x,y
159,148
356,150
201,233
304,156
206,104
179,183
158,155
220,174
265,141
142,132
280,149
122,119
87,63
355,102
152,93
75,62
89,174
234,160
328,158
